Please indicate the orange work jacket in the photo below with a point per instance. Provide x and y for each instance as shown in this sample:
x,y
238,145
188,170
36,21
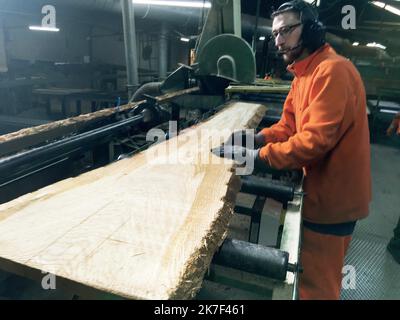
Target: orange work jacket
x,y
324,131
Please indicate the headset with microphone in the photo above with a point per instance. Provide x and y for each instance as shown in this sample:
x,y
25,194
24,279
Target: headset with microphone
x,y
313,34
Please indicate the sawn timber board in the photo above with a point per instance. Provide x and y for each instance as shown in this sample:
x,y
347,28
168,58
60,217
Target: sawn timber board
x,y
140,228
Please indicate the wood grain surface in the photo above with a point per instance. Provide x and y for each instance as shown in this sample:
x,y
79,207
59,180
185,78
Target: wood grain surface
x,y
28,137
142,227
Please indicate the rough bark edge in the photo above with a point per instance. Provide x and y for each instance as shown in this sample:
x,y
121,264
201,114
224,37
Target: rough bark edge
x,y
197,265
27,137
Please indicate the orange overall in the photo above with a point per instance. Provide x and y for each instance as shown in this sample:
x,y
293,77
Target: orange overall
x,y
324,131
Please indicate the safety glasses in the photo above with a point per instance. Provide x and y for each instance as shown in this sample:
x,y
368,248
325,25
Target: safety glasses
x,y
285,30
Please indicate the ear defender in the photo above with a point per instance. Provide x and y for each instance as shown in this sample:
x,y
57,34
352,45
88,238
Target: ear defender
x,y
313,35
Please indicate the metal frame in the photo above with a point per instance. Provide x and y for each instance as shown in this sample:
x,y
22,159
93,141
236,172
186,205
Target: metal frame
x,y
291,243
257,284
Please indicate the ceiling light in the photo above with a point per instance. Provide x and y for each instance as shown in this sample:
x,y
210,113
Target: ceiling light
x,y
387,7
317,2
376,45
262,38
40,28
392,9
378,4
185,39
389,111
356,44
187,4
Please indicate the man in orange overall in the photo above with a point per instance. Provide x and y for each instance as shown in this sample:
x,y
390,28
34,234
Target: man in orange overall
x,y
394,243
324,131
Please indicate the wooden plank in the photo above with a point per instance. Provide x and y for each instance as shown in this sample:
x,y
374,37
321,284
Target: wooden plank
x,y
272,82
175,94
25,138
258,89
138,228
63,91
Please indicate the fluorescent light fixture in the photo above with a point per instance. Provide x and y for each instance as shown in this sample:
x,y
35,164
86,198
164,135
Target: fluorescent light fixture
x,y
40,28
356,44
392,9
389,111
185,39
317,3
387,7
187,4
378,4
376,45
262,38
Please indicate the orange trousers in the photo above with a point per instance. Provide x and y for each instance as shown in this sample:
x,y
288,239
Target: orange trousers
x,y
322,258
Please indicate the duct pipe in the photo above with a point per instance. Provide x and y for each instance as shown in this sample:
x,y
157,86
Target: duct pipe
x,y
128,21
163,52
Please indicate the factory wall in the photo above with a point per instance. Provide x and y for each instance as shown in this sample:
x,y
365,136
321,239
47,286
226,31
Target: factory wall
x,y
108,46
179,53
110,50
87,37
68,45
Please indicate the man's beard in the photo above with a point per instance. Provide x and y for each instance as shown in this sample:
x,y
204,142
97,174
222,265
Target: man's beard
x,y
292,55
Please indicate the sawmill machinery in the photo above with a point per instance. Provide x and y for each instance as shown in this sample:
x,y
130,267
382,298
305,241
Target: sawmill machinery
x,y
192,93
188,95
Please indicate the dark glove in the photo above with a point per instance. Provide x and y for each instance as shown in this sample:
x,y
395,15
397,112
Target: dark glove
x,y
242,155
246,138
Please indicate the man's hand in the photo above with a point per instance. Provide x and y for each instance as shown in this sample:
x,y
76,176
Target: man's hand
x,y
237,153
246,138
242,155
394,126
